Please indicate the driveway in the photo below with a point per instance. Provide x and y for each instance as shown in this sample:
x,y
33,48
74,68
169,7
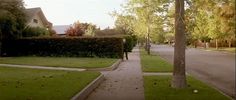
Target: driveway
x,y
214,68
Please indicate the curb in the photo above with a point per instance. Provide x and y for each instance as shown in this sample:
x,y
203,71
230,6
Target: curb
x,y
112,67
160,74
155,74
88,89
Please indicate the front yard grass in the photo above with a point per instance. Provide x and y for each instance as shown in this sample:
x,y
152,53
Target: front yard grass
x,y
159,88
231,50
34,84
154,63
60,61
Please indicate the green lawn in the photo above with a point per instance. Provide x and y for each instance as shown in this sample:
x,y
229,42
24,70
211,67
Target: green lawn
x,y
154,63
232,50
158,88
32,84
60,61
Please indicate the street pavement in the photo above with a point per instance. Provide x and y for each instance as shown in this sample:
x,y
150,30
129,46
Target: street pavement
x,y
212,67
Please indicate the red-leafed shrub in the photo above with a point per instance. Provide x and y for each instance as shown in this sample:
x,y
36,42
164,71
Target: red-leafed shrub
x,y
75,30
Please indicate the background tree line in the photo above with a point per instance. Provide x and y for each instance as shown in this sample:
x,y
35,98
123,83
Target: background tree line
x,y
205,20
181,21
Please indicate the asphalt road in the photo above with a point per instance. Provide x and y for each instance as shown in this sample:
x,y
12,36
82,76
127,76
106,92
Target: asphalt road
x,y
214,68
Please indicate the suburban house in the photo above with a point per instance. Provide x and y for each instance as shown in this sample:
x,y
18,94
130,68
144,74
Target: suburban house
x,y
36,18
60,29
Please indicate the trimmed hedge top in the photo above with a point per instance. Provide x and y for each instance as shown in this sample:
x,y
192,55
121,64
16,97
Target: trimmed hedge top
x,y
111,47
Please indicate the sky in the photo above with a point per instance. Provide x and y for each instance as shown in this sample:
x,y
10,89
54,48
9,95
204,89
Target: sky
x,y
66,12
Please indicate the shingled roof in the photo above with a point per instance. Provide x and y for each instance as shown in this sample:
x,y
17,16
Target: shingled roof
x,y
31,12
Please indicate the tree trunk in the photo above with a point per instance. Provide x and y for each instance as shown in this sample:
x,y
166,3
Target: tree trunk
x,y
179,77
195,44
217,47
230,43
204,44
148,41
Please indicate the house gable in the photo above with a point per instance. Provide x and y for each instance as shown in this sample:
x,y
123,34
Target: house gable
x,y
36,21
36,18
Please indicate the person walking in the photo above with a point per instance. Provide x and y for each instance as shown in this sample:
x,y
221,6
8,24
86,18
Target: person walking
x,y
125,48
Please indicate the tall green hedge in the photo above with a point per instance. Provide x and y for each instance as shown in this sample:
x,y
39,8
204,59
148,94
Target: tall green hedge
x,y
111,47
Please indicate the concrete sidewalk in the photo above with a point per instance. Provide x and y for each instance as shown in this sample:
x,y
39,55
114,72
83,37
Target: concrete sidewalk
x,y
43,67
124,83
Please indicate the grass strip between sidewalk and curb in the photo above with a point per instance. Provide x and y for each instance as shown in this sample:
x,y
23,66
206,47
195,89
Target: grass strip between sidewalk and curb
x,y
221,49
69,62
154,63
34,84
159,87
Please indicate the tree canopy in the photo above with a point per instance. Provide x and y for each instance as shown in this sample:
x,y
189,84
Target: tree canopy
x,y
12,18
205,20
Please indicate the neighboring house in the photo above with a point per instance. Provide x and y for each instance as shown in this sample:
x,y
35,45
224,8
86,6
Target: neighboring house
x,y
61,29
36,18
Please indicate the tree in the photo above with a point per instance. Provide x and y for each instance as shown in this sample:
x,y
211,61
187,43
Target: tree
x,y
12,18
170,22
226,15
214,30
75,30
124,23
80,29
211,19
179,77
201,28
90,31
147,19
7,24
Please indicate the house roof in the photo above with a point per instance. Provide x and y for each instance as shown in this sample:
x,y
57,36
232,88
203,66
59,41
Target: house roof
x,y
60,29
31,12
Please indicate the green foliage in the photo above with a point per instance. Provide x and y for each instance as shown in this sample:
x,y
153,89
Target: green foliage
x,y
38,84
35,32
12,18
79,47
90,31
124,23
143,17
211,19
7,25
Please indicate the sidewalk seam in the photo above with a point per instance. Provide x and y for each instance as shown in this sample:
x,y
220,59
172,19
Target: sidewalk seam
x,y
43,67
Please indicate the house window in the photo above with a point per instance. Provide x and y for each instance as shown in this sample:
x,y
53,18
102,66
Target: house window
x,y
35,20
